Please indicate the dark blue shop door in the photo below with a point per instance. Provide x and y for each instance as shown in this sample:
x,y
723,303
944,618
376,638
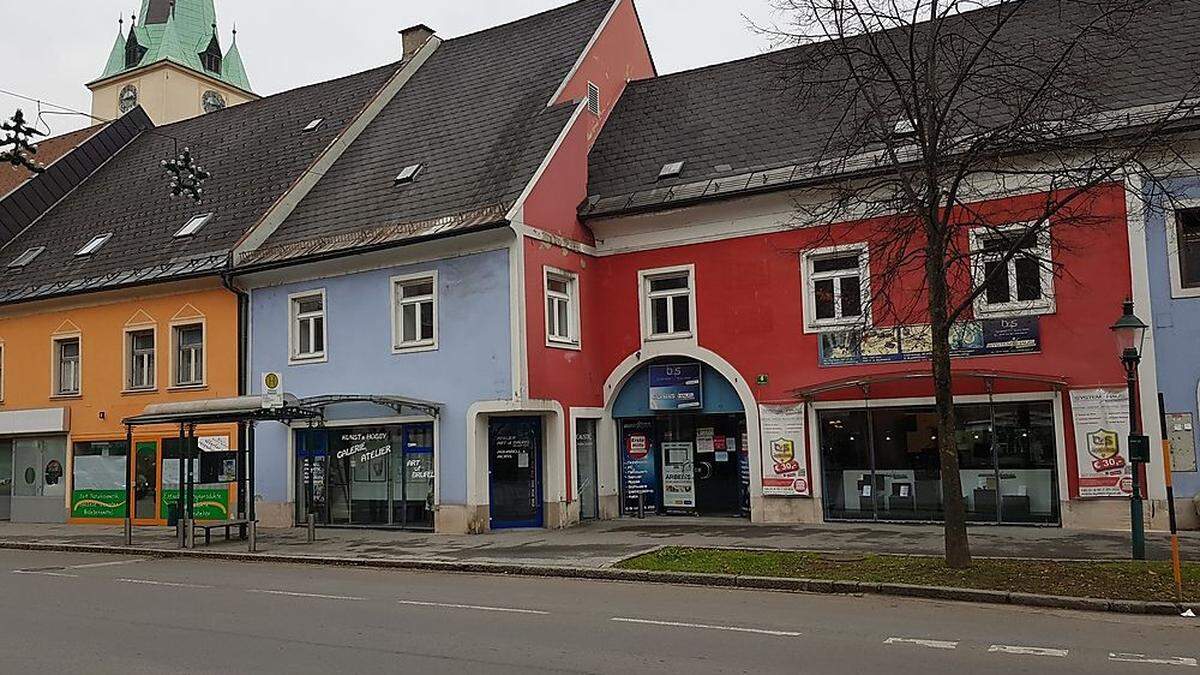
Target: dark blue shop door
x,y
515,471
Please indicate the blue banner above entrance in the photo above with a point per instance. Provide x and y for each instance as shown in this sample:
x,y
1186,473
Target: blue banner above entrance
x,y
676,387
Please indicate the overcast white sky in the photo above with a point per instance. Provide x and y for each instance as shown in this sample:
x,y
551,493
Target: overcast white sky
x,y
50,48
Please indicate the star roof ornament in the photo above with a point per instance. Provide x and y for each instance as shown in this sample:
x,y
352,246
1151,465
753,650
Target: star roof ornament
x,y
15,147
187,178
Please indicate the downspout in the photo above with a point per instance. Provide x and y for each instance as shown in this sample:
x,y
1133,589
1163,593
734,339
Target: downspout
x,y
243,325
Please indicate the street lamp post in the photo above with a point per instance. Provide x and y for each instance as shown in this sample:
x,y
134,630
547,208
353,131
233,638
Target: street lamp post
x,y
1129,332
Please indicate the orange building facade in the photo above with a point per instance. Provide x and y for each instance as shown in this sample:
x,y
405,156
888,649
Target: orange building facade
x,y
72,369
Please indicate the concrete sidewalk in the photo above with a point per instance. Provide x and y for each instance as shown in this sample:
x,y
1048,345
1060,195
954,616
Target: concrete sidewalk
x,y
601,544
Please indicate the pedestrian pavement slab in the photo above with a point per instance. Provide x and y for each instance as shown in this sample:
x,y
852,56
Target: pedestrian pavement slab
x,y
602,544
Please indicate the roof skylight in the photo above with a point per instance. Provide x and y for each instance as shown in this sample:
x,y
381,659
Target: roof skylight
x,y
26,257
312,126
94,245
409,174
193,225
670,170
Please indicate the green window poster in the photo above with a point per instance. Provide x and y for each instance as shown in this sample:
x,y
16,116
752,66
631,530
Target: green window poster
x,y
211,503
99,480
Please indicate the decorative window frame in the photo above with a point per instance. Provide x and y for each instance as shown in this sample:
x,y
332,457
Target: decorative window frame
x,y
644,313
394,311
1046,305
127,360
293,319
808,279
574,341
56,363
1172,228
175,326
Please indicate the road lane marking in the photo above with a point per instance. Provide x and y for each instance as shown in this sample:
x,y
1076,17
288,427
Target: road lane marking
x,y
932,644
1160,661
44,573
704,626
171,584
112,563
318,596
480,608
1028,651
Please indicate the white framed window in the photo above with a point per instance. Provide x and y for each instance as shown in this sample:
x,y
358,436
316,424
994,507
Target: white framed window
x,y
307,332
1183,249
140,359
1021,285
68,366
415,312
668,303
188,350
562,308
837,287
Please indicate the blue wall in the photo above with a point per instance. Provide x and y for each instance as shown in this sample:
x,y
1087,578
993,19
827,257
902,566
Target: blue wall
x,y
472,362
1176,322
717,394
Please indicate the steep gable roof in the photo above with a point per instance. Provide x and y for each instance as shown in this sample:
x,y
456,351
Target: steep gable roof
x,y
740,126
255,152
475,118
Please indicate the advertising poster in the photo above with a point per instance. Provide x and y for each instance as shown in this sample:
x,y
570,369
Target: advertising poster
x,y
676,387
784,451
1101,442
1016,335
639,466
679,479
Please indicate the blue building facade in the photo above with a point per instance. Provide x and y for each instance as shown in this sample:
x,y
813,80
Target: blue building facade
x,y
1172,230
394,446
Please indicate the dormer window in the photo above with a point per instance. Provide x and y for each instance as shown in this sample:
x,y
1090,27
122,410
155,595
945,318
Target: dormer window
x,y
26,257
193,225
314,125
211,58
409,174
672,170
94,245
134,51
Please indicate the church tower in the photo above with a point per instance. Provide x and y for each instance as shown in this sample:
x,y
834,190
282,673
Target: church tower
x,y
171,63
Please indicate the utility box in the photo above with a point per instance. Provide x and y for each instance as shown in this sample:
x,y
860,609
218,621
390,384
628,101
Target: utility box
x,y
1182,435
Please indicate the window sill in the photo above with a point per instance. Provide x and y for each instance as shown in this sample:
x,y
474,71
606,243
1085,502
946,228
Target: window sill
x,y
1012,311
836,326
66,397
307,360
563,344
1179,292
188,387
669,336
415,349
139,392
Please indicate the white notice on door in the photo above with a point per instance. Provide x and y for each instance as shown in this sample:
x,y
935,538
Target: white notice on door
x,y
523,460
704,440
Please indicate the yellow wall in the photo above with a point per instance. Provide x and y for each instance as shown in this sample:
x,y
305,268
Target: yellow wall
x,y
167,92
27,332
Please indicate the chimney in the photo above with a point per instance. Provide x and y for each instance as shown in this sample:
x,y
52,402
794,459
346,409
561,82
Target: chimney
x,y
414,38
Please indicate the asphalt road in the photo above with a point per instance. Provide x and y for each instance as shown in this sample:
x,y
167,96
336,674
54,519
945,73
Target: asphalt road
x,y
78,613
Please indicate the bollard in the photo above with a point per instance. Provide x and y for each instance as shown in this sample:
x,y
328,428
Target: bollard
x,y
128,531
179,532
253,537
312,528
189,533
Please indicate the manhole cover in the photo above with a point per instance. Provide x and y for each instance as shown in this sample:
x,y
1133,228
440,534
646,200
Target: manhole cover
x,y
843,557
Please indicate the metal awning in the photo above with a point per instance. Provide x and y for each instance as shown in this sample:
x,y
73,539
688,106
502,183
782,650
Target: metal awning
x,y
860,381
396,403
222,411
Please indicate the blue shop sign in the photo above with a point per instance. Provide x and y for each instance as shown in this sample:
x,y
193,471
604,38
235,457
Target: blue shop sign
x,y
676,387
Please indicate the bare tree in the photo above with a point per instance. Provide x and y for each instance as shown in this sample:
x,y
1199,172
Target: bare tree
x,y
927,108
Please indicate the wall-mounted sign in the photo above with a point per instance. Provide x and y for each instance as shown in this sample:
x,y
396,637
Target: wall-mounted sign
x,y
784,451
272,389
1101,418
989,337
676,387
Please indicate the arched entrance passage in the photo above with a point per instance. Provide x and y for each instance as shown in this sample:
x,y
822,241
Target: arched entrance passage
x,y
683,441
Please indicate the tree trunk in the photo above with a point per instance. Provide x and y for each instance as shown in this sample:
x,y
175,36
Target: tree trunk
x,y
958,551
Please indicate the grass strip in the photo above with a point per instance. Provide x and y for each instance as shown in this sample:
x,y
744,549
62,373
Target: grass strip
x,y
1114,580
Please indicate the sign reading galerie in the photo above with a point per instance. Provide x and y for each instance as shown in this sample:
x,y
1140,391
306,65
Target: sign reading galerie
x,y
1101,449
784,451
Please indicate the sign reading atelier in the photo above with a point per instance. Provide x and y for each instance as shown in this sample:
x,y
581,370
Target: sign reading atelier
x,y
1101,429
676,387
784,451
1017,335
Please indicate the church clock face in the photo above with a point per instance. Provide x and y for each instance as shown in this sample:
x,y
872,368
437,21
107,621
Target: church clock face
x,y
212,101
128,98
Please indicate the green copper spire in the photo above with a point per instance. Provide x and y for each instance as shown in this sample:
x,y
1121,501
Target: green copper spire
x,y
183,32
116,60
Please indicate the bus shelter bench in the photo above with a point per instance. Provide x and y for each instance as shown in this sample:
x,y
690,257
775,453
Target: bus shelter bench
x,y
208,526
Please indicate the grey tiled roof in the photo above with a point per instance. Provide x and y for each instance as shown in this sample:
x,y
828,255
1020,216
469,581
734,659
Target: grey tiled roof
x,y
255,152
743,125
475,116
